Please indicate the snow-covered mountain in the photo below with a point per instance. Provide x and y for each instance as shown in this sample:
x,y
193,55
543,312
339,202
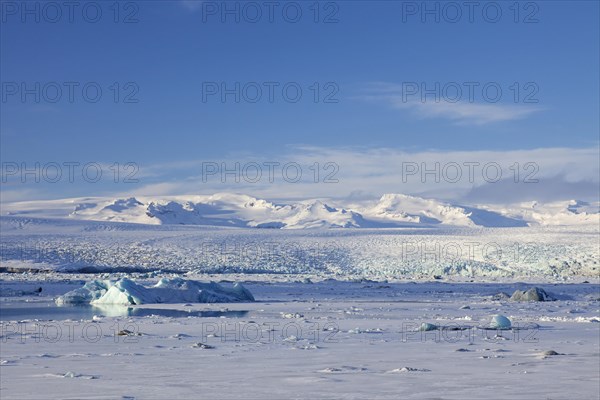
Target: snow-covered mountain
x,y
239,210
403,208
569,212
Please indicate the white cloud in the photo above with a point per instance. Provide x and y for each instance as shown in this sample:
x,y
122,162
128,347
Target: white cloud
x,y
7,196
463,111
470,176
155,189
191,5
468,113
452,175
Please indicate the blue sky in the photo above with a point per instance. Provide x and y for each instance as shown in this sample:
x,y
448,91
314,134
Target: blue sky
x,y
367,61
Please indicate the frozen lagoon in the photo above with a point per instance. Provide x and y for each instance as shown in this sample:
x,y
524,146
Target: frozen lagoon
x,y
49,311
329,339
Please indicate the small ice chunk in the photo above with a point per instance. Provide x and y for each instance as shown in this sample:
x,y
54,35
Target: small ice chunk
x,y
500,322
331,370
291,315
127,332
548,353
202,346
426,326
70,374
179,336
309,346
410,369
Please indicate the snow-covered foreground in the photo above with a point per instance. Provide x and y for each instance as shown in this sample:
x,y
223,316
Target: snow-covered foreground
x,y
326,339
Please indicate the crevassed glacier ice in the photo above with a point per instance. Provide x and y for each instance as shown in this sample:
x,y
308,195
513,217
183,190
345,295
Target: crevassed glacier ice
x,y
177,290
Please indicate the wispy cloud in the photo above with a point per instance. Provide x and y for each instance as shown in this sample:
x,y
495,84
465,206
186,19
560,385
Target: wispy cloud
x,y
370,172
479,175
468,113
191,5
464,112
10,195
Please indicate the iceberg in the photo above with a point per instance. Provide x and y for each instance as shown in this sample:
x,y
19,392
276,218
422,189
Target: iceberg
x,y
91,291
533,294
127,292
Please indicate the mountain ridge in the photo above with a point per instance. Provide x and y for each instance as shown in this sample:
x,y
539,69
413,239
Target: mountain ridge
x,y
244,211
